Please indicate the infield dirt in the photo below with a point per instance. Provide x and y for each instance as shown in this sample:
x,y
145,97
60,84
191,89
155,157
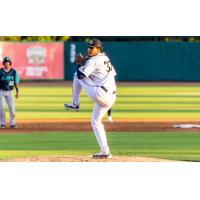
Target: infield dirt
x,y
117,126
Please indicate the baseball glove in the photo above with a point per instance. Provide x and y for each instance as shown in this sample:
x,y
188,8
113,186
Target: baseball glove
x,y
80,59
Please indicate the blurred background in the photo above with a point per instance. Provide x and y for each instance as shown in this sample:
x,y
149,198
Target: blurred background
x,y
136,58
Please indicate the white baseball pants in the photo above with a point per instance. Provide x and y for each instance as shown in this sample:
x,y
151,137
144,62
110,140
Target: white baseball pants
x,y
7,97
103,102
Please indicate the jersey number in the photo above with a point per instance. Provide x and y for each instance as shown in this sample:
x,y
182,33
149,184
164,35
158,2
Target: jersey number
x,y
108,65
11,83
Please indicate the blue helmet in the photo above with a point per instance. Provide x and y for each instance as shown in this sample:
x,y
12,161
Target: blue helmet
x,y
7,59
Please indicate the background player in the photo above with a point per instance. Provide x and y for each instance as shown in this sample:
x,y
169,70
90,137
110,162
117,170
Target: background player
x,y
97,78
8,79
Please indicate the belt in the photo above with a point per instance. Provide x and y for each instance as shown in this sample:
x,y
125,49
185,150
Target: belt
x,y
102,87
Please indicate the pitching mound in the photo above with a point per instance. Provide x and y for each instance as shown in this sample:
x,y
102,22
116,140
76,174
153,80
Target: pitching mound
x,y
85,159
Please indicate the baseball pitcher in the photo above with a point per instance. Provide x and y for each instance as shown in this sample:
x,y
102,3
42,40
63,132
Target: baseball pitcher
x,y
8,80
97,77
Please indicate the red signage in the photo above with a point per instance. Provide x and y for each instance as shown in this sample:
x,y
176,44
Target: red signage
x,y
35,60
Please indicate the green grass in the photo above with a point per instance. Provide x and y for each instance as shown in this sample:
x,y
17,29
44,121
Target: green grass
x,y
135,102
138,102
175,146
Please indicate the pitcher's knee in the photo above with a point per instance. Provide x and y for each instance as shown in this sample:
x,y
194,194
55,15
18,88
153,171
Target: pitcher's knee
x,y
95,122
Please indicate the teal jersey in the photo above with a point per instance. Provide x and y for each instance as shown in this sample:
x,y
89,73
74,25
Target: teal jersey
x,y
8,79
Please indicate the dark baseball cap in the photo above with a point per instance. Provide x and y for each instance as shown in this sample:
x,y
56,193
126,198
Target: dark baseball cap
x,y
7,59
95,43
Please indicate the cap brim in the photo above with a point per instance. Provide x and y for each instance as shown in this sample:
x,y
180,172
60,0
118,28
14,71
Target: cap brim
x,y
89,45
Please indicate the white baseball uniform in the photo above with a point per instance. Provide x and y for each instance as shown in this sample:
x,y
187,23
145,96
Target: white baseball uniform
x,y
99,85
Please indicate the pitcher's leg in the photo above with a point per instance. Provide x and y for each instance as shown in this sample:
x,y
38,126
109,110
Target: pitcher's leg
x,y
89,89
76,90
11,106
98,128
2,111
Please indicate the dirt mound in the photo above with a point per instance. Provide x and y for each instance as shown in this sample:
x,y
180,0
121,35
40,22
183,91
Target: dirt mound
x,y
85,159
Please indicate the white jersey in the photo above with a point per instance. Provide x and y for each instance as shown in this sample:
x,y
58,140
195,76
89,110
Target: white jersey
x,y
99,72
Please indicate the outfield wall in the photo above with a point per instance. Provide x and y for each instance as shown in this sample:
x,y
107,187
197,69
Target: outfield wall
x,y
145,61
134,61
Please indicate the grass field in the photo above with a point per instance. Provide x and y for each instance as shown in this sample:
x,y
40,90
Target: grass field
x,y
175,146
134,102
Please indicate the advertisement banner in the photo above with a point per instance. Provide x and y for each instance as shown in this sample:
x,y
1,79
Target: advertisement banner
x,y
35,60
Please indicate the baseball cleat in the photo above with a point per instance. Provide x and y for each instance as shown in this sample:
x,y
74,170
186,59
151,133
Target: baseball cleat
x,y
3,126
110,119
101,156
13,126
69,106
